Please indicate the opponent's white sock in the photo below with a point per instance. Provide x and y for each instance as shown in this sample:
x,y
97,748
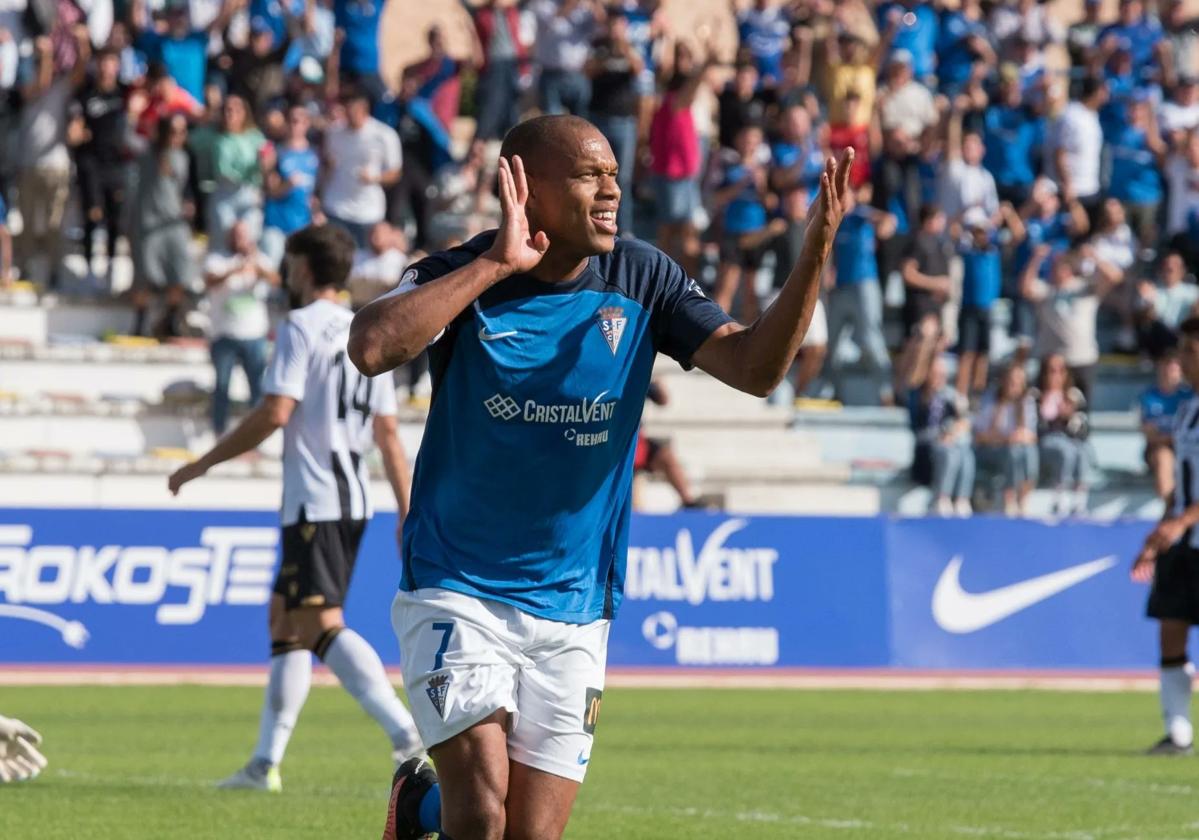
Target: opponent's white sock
x,y
286,691
1176,702
361,673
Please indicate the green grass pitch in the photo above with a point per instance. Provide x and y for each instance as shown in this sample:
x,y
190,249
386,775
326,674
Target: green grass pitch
x,y
138,763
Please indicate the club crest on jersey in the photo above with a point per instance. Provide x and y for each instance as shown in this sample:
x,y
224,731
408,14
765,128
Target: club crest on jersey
x,y
612,323
438,688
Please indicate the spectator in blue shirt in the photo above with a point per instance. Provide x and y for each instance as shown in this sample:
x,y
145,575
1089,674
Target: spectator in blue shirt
x,y
358,33
1137,153
741,196
857,299
982,277
943,458
1045,222
1158,405
1013,134
797,158
1136,32
963,41
763,30
290,181
181,49
912,26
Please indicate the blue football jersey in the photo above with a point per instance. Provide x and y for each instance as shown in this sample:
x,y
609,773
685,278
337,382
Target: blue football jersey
x,y
523,483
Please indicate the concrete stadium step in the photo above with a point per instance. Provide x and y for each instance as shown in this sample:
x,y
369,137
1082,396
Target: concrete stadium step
x,y
751,447
749,499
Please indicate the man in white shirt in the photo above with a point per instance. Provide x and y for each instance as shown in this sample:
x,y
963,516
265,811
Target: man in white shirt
x,y
1180,113
329,413
964,182
1077,143
238,281
363,158
904,102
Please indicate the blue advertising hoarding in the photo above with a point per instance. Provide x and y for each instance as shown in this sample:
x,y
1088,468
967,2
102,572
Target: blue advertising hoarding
x,y
702,590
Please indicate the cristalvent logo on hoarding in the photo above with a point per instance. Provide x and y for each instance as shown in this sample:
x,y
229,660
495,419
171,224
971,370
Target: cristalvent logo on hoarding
x,y
712,645
718,572
230,565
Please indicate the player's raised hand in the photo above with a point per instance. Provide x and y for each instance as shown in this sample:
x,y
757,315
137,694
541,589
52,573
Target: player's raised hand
x,y
827,211
516,247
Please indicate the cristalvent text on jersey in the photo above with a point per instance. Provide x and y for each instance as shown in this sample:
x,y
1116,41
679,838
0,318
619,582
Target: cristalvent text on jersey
x,y
522,486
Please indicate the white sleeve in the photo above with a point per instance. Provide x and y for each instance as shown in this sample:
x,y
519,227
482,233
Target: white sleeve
x,y
407,284
383,396
287,373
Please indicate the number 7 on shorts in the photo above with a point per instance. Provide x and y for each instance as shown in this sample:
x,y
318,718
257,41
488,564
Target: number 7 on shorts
x,y
446,629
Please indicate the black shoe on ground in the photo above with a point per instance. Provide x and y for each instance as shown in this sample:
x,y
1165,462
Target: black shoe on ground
x,y
409,785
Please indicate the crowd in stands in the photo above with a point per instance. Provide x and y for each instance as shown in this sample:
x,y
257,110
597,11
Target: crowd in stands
x,y
1016,177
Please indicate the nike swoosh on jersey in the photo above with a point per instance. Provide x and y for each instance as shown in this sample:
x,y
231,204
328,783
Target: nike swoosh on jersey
x,y
486,336
958,611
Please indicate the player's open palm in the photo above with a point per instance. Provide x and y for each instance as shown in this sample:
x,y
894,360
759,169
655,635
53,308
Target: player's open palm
x,y
20,758
516,247
827,211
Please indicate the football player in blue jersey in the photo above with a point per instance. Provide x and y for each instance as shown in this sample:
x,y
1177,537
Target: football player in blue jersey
x,y
542,337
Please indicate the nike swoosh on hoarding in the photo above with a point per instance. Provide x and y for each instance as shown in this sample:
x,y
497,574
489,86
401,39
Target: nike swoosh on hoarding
x,y
957,611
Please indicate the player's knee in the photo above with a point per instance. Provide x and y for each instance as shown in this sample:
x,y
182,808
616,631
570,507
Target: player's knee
x,y
319,639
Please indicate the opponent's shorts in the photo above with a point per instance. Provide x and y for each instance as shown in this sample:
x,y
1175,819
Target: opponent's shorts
x,y
318,561
464,658
1175,592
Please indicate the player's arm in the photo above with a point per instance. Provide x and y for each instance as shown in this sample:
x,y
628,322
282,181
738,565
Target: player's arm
x,y
271,414
755,359
395,329
395,460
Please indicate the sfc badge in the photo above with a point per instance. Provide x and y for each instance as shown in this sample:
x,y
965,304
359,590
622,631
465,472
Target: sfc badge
x,y
438,688
612,323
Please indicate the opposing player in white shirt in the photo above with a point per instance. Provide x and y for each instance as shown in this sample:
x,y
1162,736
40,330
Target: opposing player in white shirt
x,y
1170,559
329,413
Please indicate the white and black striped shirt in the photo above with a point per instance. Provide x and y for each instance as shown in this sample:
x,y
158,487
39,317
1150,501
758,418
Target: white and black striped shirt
x,y
1186,461
325,476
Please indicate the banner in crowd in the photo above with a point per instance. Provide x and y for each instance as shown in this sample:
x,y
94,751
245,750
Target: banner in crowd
x,y
701,590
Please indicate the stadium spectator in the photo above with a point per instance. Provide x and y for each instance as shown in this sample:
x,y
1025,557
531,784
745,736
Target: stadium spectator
x,y
1062,430
1158,405
1083,35
362,158
763,29
440,79
169,39
425,149
501,57
289,181
1137,152
904,103
1135,31
1076,141
741,196
1012,135
943,458
675,165
964,182
911,26
355,56
857,298
1180,53
43,159
1005,438
255,72
656,456
97,133
161,97
963,42
981,285
237,167
742,102
377,267
161,231
851,92
613,68
238,282
927,285
1163,307
1067,306
1182,191
565,30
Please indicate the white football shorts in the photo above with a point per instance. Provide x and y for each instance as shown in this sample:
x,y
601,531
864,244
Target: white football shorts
x,y
463,658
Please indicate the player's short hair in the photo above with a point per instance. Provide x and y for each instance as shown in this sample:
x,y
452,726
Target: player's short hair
x,y
329,250
1190,327
534,137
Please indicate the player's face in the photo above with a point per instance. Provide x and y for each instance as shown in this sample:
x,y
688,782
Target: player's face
x,y
573,195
